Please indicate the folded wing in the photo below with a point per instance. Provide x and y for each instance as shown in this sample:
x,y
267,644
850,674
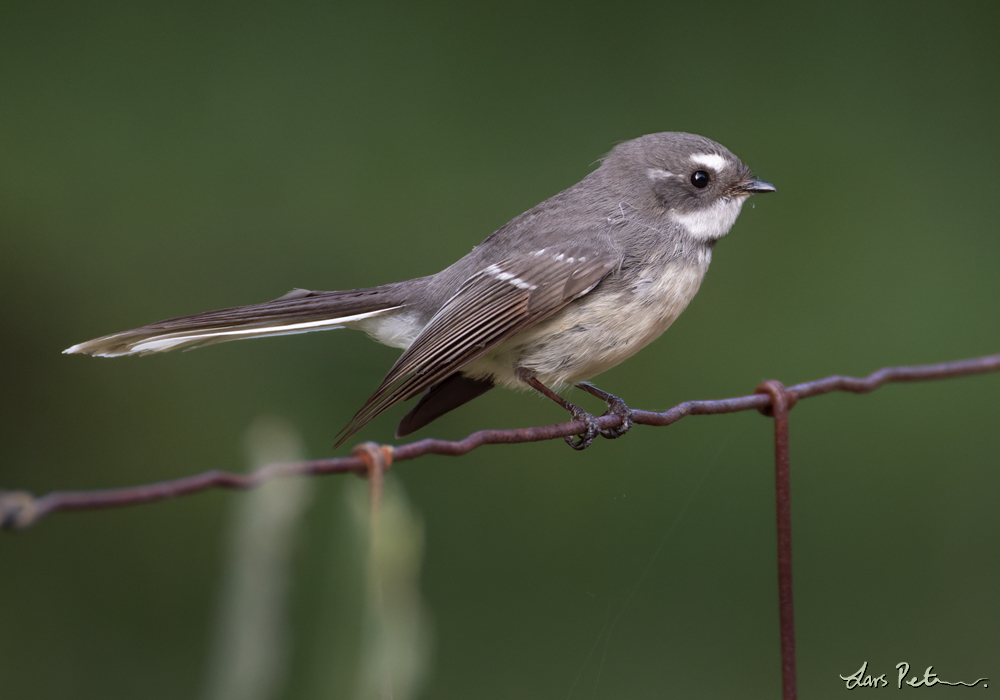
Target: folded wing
x,y
490,307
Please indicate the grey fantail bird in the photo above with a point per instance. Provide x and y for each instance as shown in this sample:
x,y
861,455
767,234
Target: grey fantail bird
x,y
566,290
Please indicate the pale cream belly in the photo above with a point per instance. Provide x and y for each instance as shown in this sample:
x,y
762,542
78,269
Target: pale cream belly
x,y
594,333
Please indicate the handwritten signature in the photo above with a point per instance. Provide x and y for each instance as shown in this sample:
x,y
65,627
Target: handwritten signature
x,y
862,679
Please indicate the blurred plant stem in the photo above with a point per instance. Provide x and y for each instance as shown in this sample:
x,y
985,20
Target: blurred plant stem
x,y
252,645
252,640
396,634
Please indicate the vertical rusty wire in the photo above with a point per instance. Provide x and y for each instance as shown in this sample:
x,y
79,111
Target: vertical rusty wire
x,y
377,459
781,401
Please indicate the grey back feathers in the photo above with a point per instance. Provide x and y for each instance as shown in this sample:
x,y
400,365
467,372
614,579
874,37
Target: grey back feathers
x,y
565,290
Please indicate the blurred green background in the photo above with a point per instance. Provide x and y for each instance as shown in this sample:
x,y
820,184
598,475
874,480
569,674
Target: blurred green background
x,y
159,159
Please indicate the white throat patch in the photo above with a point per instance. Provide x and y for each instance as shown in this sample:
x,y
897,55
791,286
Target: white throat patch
x,y
713,222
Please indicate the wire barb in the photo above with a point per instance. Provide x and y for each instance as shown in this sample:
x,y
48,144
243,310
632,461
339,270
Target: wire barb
x,y
377,459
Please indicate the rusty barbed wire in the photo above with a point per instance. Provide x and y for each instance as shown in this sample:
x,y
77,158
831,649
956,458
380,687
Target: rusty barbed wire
x,y
21,509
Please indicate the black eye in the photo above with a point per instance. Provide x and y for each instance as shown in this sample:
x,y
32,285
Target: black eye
x,y
700,179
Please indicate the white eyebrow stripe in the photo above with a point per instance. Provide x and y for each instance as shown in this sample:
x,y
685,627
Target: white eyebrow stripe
x,y
710,160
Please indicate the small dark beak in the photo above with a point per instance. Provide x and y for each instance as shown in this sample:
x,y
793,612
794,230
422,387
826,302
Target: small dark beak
x,y
753,187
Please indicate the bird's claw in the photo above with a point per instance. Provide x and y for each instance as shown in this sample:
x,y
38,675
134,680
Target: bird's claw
x,y
584,439
617,407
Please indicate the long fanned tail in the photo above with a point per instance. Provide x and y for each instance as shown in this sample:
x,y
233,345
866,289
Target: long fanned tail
x,y
299,311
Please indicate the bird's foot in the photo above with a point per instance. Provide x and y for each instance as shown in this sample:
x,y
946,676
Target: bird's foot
x,y
616,407
584,439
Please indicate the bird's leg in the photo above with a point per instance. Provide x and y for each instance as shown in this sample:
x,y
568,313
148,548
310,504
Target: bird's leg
x,y
616,407
586,437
